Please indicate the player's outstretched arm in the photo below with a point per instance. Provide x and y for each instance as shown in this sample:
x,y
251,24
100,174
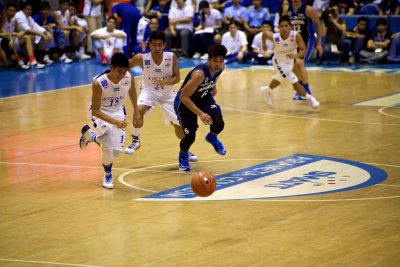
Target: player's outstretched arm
x,y
136,60
301,46
96,105
188,90
137,119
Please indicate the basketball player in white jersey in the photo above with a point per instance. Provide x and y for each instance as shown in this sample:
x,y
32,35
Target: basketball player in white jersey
x,y
286,43
109,91
160,73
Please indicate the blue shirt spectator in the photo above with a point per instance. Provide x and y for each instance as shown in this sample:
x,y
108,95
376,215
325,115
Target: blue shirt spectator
x,y
163,21
255,17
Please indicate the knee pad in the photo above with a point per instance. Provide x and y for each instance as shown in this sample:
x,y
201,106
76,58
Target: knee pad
x,y
218,124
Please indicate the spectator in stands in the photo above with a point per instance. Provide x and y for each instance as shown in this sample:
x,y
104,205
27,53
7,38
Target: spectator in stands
x,y
93,14
235,13
31,28
358,39
260,55
378,44
161,11
108,41
210,24
235,42
283,9
180,26
130,16
320,6
77,21
254,18
389,7
11,38
394,52
345,6
335,42
272,5
72,33
151,27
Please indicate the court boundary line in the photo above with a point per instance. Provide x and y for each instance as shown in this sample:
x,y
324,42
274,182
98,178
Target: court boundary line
x,y
48,262
381,111
308,118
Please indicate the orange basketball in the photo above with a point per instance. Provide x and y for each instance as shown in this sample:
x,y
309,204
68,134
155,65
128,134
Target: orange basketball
x,y
203,184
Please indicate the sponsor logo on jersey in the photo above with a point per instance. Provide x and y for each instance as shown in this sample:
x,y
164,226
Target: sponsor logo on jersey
x,y
296,175
116,89
276,39
157,70
147,62
104,83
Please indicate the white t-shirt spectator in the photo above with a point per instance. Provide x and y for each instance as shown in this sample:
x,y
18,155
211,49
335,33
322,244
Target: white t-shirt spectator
x,y
257,43
213,18
234,44
26,23
180,13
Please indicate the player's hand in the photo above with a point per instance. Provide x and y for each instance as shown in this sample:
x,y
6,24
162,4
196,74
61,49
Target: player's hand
x,y
159,82
206,119
120,124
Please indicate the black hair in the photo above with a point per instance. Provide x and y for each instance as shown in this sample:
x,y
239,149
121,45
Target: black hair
x,y
362,19
381,21
112,18
267,22
280,11
64,1
203,4
44,5
11,5
217,51
285,18
233,23
25,4
119,60
157,35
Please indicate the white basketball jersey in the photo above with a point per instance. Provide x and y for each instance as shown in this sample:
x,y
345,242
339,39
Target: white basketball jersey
x,y
152,71
64,18
113,95
284,47
9,26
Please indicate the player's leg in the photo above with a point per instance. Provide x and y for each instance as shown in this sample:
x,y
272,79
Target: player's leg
x,y
146,101
87,136
107,159
268,88
167,108
300,69
301,91
211,108
188,120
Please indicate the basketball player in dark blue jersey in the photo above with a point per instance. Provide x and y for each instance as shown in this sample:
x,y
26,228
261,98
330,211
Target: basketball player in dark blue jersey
x,y
305,20
195,99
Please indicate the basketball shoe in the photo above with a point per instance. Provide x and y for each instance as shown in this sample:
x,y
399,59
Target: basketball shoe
x,y
135,145
218,146
193,157
312,101
108,181
184,161
86,137
267,96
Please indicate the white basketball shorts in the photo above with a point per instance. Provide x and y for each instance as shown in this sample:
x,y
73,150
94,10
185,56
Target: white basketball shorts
x,y
284,69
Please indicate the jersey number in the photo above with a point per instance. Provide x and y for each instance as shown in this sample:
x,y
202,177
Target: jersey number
x,y
297,28
114,102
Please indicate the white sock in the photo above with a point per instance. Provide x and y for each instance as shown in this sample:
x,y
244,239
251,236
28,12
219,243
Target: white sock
x,y
81,50
308,96
136,131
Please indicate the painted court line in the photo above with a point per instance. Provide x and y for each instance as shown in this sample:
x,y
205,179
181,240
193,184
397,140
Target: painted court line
x,y
49,262
307,118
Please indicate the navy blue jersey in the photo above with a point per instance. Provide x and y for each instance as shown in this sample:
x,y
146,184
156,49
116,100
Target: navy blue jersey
x,y
301,23
204,89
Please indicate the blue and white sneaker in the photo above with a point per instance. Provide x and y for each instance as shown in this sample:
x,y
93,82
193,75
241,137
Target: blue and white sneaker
x,y
218,146
184,161
298,96
193,157
108,181
84,141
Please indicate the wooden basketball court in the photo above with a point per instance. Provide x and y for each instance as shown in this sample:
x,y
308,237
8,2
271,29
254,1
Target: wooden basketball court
x,y
54,211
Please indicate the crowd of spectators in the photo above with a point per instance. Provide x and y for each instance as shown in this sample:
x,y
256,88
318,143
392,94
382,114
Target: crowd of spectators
x,y
35,34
